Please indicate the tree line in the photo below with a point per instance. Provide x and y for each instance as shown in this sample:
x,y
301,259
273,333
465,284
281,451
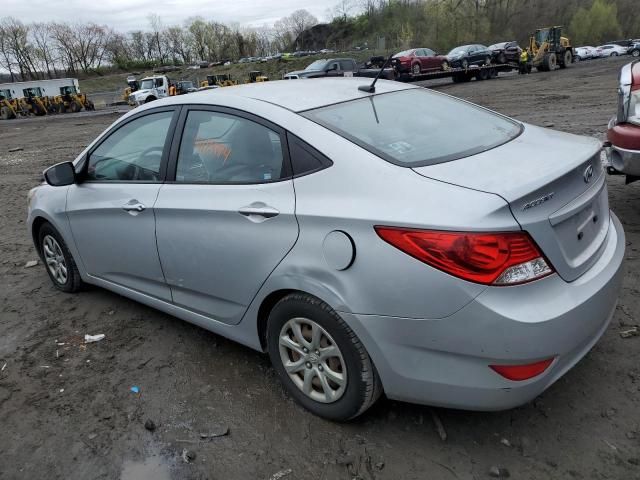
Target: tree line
x,y
47,50
51,49
444,24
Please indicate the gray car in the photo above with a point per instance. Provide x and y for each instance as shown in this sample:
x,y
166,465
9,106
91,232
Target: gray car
x,y
398,241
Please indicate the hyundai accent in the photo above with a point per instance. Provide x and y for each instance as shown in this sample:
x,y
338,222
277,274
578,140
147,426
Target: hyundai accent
x,y
379,239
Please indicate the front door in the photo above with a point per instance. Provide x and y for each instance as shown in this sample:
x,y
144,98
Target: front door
x,y
228,218
111,210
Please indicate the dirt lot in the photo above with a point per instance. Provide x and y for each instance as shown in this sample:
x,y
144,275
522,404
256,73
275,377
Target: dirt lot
x,y
67,411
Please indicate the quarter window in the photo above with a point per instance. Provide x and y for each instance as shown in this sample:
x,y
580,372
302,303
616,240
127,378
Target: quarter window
x,y
133,153
220,148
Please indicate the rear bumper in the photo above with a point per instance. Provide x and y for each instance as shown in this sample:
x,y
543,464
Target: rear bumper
x,y
624,152
445,362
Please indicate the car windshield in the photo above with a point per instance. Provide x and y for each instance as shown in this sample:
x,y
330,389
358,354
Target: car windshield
x,y
404,53
146,84
458,50
317,65
497,46
416,127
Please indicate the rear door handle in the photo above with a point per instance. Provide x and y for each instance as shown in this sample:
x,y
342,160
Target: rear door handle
x,y
258,211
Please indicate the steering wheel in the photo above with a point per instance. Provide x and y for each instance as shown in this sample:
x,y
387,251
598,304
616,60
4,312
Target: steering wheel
x,y
142,173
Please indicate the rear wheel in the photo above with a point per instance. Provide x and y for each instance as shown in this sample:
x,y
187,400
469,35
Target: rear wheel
x,y
614,54
319,359
74,107
567,58
59,263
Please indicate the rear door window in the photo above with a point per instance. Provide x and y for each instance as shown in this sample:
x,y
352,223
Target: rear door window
x,y
416,127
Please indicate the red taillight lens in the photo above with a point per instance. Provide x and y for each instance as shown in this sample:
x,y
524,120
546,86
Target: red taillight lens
x,y
518,373
506,258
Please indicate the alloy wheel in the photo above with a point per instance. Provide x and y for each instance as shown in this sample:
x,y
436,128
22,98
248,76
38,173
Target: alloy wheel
x,y
313,360
54,259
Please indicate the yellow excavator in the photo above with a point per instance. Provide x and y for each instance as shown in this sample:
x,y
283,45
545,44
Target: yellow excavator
x,y
220,80
548,49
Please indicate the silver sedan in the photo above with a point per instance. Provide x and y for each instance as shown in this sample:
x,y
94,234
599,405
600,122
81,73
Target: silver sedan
x,y
396,240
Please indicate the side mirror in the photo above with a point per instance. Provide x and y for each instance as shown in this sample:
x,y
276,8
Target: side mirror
x,y
60,175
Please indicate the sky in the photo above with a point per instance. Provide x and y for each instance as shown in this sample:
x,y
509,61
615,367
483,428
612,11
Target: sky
x,y
127,15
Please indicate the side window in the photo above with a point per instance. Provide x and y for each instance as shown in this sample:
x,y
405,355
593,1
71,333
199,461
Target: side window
x,y
133,152
347,65
420,52
159,82
429,53
220,148
335,66
304,158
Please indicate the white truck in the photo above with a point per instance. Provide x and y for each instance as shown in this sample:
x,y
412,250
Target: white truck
x,y
152,88
49,88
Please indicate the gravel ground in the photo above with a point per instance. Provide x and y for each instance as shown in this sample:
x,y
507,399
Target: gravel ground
x,y
67,411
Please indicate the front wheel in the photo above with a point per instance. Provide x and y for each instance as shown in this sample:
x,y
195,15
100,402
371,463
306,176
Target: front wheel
x,y
464,64
416,70
319,359
59,263
614,54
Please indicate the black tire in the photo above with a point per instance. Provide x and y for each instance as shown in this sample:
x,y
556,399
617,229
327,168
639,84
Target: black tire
x,y
635,53
74,107
577,58
416,69
464,63
150,99
614,54
502,58
74,281
363,386
549,62
483,74
90,105
567,58
6,113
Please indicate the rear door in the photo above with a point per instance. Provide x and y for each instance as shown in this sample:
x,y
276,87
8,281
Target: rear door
x,y
431,61
111,210
225,218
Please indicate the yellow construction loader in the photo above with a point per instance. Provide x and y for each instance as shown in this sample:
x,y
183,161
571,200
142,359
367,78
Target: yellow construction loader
x,y
70,100
548,49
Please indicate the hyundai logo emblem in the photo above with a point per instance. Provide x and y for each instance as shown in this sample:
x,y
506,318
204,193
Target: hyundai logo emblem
x,y
588,174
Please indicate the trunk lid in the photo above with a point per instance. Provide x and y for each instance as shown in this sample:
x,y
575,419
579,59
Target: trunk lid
x,y
555,186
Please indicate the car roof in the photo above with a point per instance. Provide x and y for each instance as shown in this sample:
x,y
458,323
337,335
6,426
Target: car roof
x,y
298,95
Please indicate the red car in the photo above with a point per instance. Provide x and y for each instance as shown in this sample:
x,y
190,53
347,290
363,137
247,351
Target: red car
x,y
419,60
624,129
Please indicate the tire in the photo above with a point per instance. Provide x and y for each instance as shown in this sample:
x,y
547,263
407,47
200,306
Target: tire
x,y
445,66
464,64
149,99
487,61
361,387
6,113
614,54
74,107
483,74
90,105
502,58
577,58
549,62
52,245
416,69
635,53
567,58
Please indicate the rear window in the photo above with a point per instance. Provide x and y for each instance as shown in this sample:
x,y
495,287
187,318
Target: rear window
x,y
416,127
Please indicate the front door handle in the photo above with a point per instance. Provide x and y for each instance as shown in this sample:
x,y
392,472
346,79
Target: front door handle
x,y
258,212
133,207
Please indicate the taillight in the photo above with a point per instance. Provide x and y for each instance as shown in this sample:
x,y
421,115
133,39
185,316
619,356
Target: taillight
x,y
506,258
517,373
